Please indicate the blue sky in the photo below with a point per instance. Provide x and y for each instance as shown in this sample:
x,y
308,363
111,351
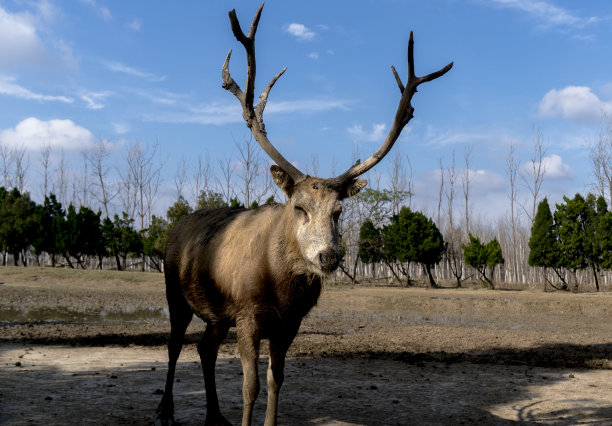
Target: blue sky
x,y
72,72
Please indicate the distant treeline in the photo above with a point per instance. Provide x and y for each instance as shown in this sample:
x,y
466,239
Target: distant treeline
x,y
74,236
577,237
401,246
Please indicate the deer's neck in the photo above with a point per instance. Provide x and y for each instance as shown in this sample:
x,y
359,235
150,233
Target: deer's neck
x,y
297,288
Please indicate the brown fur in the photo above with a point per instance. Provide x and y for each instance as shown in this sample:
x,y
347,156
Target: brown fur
x,y
252,269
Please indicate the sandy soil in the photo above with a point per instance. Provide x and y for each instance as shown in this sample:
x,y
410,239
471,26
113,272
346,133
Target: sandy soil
x,y
364,356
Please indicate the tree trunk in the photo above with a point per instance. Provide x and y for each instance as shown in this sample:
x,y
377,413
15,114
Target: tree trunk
x,y
595,275
68,261
118,260
432,282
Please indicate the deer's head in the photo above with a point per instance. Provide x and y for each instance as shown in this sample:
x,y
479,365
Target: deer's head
x,y
314,203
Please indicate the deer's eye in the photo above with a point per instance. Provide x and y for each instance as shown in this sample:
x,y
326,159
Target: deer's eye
x,y
301,212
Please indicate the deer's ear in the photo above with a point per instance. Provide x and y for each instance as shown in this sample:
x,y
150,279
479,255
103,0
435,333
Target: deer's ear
x,y
282,180
352,188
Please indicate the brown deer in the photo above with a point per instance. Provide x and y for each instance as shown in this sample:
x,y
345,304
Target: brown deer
x,y
260,270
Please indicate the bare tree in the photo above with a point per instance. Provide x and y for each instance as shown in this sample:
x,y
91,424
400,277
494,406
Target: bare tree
x,y
141,182
103,190
145,171
180,177
253,188
5,158
450,192
21,163
440,192
45,162
512,166
400,189
84,190
201,180
60,186
314,164
600,153
227,170
454,236
410,183
534,177
466,187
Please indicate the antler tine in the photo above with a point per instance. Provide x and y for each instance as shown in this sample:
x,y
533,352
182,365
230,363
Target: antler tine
x,y
402,116
253,116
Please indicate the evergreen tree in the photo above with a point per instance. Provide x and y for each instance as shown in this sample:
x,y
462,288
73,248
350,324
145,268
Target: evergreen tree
x,y
210,200
370,243
595,209
604,239
544,249
576,222
178,210
17,223
494,256
51,211
482,256
154,241
413,237
81,236
123,239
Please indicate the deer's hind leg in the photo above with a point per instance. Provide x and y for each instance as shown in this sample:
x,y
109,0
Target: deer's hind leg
x,y
208,349
180,317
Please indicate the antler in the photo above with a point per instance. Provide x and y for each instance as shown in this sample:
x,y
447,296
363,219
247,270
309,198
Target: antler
x,y
402,116
254,115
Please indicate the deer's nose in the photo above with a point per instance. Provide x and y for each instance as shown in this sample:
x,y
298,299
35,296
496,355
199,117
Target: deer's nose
x,y
329,260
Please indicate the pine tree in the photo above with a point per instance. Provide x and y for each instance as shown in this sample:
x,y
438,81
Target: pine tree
x,y
413,237
370,243
544,246
482,256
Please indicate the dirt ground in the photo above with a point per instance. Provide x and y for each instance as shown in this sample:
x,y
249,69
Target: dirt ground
x,y
91,349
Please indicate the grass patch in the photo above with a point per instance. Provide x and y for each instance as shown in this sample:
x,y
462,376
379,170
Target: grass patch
x,y
71,278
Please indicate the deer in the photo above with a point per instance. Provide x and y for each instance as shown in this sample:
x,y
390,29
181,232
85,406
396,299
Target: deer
x,y
261,270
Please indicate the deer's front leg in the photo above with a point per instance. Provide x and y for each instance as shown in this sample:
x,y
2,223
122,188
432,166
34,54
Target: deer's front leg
x,y
248,346
279,345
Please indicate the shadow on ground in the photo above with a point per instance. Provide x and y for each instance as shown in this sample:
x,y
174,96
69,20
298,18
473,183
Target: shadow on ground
x,y
123,386
558,355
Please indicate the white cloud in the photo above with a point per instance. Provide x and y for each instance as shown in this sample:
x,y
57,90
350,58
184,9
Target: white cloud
x,y
229,112
459,137
103,11
306,105
34,134
313,55
121,128
121,68
300,31
93,99
375,135
9,87
553,166
575,103
215,113
547,14
20,43
134,25
161,97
